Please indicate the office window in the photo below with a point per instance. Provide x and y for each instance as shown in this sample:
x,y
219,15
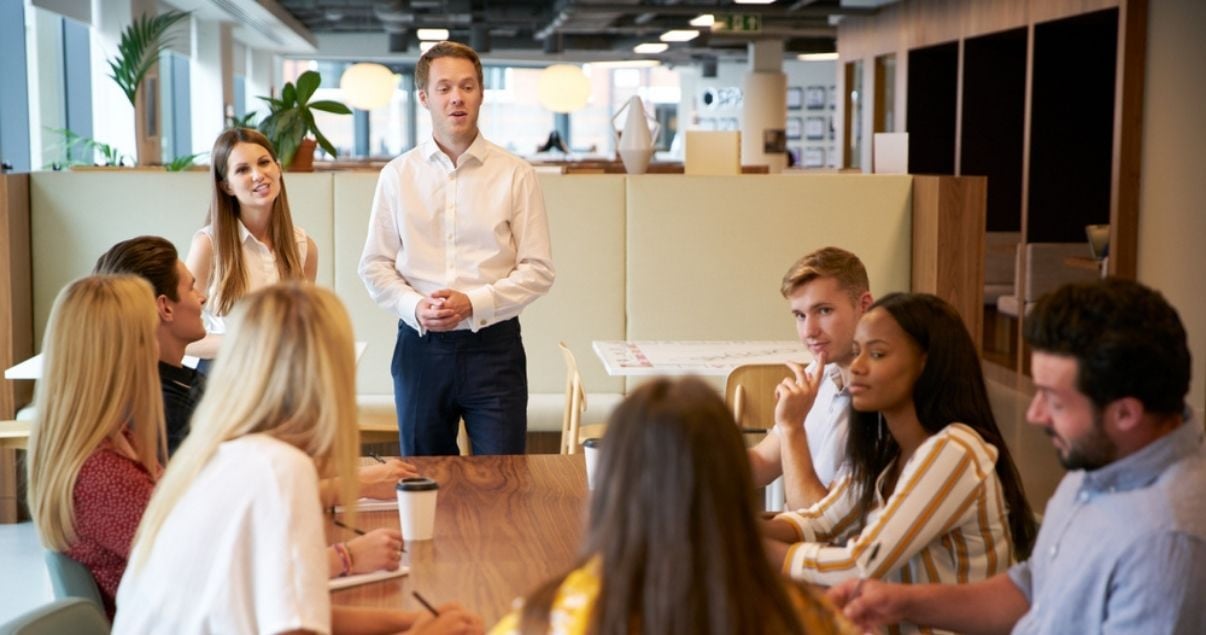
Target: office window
x,y
176,109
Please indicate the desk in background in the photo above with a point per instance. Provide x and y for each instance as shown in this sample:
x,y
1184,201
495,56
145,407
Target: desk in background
x,y
712,358
504,524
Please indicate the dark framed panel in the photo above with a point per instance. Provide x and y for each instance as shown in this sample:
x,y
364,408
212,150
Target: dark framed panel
x,y
932,100
994,119
1071,126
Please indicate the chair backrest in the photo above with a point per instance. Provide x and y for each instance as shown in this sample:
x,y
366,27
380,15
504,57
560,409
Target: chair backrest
x,y
750,393
575,402
1046,270
71,579
73,615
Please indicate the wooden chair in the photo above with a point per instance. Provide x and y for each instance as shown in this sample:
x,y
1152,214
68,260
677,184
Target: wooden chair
x,y
572,430
750,393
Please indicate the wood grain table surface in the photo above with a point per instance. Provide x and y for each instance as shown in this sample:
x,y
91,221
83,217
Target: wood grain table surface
x,y
504,524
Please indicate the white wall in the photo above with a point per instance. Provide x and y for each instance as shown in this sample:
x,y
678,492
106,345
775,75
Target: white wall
x,y
1172,202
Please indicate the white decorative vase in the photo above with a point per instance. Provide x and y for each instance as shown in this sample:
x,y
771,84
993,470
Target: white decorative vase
x,y
635,142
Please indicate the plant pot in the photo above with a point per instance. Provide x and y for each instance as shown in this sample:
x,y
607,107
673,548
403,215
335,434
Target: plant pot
x,y
303,159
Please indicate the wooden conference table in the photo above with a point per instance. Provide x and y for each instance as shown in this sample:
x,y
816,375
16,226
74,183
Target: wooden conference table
x,y
504,524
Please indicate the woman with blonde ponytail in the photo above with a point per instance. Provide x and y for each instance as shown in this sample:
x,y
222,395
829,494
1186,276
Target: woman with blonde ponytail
x,y
95,448
232,541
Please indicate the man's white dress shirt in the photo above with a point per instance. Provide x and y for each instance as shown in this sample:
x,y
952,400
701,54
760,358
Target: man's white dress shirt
x,y
478,227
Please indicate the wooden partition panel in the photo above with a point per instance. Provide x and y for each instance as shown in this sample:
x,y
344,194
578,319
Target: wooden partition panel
x,y
16,325
948,243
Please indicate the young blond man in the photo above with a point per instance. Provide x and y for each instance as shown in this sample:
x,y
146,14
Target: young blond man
x,y
827,292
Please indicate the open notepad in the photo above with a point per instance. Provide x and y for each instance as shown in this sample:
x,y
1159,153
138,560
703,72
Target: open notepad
x,y
371,505
365,578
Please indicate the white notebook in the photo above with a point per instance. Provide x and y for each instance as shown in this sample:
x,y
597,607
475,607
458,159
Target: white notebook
x,y
372,505
365,578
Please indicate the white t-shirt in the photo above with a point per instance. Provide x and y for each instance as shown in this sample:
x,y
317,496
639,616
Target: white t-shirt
x,y
826,425
242,551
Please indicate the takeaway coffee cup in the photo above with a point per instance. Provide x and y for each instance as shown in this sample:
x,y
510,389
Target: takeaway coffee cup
x,y
417,507
591,448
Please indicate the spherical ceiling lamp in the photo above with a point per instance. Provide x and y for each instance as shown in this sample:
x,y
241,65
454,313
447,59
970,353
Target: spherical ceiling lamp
x,y
368,86
563,88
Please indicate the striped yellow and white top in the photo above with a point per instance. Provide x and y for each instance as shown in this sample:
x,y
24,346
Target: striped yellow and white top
x,y
945,522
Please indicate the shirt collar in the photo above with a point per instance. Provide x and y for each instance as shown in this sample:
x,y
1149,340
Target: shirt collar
x,y
1143,467
478,150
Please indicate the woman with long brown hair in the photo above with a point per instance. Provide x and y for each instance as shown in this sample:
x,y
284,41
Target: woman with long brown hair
x,y
250,240
931,493
672,542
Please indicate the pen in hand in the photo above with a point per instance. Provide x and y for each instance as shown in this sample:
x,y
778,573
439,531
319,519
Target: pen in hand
x,y
359,531
858,589
377,458
427,605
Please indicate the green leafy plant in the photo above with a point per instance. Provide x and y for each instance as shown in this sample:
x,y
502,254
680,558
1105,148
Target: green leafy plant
x,y
182,163
139,49
291,117
74,144
246,121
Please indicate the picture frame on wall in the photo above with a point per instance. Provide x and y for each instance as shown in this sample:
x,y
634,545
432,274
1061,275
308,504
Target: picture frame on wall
x,y
814,128
814,157
795,98
814,97
795,128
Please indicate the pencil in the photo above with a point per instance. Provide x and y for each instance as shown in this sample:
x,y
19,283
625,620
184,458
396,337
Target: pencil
x,y
358,530
377,458
427,605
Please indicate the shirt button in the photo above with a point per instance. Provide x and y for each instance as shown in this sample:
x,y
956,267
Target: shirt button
x,y
1054,550
481,323
1083,497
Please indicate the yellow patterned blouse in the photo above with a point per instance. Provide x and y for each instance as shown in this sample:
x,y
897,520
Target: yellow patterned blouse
x,y
571,611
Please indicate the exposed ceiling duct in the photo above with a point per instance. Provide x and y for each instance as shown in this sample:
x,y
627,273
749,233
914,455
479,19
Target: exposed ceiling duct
x,y
565,26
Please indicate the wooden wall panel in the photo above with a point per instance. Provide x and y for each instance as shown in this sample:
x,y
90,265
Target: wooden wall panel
x,y
16,326
948,243
16,303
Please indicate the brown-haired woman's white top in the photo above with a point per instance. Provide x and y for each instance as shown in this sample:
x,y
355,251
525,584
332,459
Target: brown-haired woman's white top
x,y
259,262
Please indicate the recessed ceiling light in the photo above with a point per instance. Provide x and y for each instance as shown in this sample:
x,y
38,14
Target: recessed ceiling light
x,y
753,1
679,35
650,48
437,35
704,21
424,46
817,57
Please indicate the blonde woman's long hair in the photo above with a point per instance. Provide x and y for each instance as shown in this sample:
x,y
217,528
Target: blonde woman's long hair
x,y
230,271
287,369
99,378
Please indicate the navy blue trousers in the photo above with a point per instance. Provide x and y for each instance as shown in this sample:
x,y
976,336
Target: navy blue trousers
x,y
441,377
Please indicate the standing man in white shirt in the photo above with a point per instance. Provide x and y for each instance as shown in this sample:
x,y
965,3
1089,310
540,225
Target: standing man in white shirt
x,y
827,291
458,245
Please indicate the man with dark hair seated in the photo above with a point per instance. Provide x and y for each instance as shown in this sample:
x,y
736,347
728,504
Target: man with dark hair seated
x,y
179,303
1122,547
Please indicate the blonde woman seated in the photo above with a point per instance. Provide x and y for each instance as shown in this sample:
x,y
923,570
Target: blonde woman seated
x,y
932,494
672,530
93,454
232,541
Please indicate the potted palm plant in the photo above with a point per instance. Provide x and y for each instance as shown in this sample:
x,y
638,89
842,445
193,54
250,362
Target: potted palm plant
x,y
137,54
291,118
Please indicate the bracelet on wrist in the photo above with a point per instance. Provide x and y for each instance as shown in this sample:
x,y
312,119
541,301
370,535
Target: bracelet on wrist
x,y
345,558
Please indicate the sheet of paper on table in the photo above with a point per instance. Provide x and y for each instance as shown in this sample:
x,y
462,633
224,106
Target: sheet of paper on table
x,y
364,578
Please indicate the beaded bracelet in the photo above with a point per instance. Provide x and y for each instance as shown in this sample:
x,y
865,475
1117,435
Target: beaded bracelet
x,y
345,557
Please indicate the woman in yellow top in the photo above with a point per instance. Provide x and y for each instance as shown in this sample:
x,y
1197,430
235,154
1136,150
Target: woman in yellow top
x,y
673,544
